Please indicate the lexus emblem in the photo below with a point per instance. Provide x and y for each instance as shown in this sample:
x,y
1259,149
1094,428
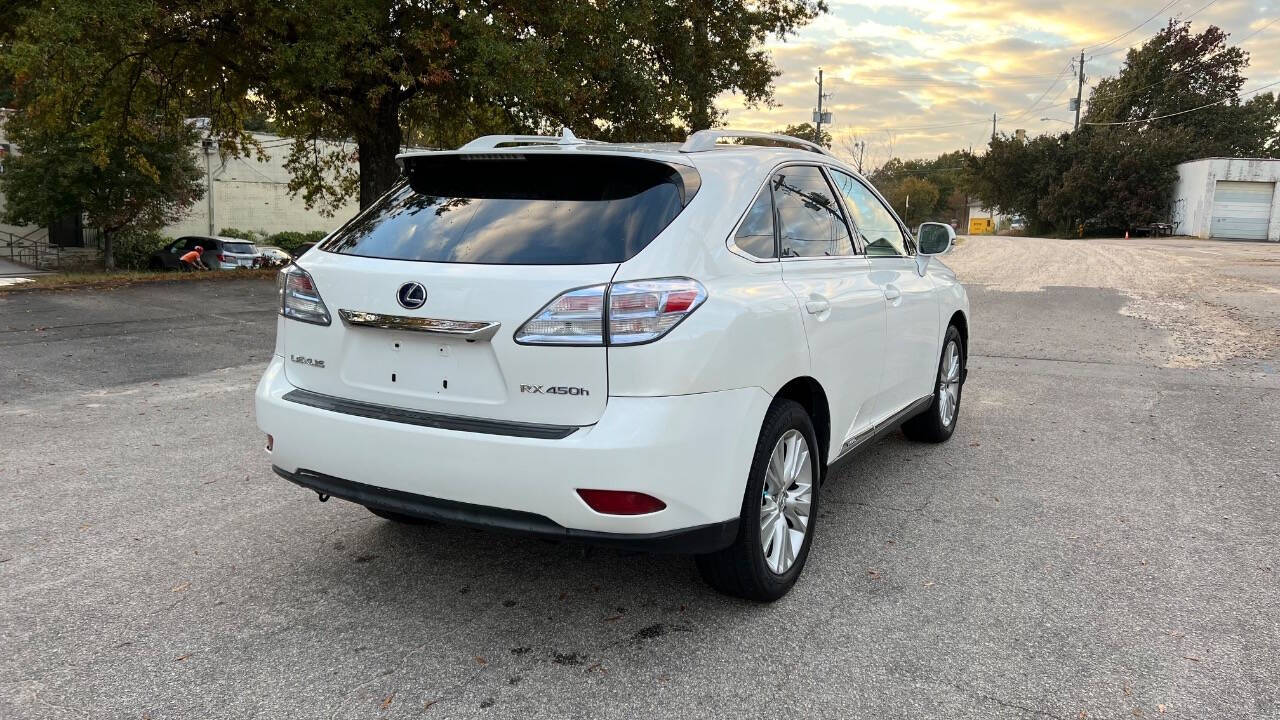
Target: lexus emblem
x,y
412,295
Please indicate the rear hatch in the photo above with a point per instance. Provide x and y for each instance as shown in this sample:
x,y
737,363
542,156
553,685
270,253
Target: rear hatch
x,y
239,254
477,243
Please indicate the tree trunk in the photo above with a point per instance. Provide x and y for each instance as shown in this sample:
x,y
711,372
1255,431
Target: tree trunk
x,y
700,87
377,151
108,251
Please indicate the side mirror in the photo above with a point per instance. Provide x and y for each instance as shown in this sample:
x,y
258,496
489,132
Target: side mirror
x,y
935,238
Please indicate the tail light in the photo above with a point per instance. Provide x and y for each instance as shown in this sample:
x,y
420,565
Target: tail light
x,y
299,298
222,258
625,313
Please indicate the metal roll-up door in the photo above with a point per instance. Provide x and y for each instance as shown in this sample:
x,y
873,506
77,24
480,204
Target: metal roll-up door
x,y
1242,209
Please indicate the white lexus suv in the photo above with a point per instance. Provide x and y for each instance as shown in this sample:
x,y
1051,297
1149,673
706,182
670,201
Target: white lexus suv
x,y
653,346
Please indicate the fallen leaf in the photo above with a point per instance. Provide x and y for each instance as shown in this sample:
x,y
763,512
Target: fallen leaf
x,y
1192,658
180,658
1160,707
481,661
429,703
611,618
928,583
387,702
181,586
873,573
598,666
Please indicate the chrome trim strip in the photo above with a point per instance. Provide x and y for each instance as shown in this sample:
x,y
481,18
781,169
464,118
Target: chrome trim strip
x,y
866,436
464,329
441,421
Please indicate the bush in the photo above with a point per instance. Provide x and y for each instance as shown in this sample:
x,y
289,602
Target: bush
x,y
133,250
252,236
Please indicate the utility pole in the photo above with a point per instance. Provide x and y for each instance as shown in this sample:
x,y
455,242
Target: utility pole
x,y
862,148
1079,88
818,115
993,126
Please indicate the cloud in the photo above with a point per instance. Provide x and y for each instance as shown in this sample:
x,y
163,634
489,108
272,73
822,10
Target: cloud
x,y
924,77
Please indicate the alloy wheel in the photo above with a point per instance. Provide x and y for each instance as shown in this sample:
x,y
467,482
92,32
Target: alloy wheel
x,y
784,507
949,384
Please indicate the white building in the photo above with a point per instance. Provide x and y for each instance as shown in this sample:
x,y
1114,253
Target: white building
x,y
1228,198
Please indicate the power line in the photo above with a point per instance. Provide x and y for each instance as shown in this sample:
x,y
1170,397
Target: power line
x,y
1133,29
1184,112
1202,9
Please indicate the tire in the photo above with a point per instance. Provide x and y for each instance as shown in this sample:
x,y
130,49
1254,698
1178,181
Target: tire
x,y
398,517
933,425
748,568
155,264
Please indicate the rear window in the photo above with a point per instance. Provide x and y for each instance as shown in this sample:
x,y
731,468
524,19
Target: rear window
x,y
244,248
505,209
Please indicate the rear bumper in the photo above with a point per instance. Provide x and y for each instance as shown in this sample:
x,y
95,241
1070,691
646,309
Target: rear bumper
x,y
691,451
701,539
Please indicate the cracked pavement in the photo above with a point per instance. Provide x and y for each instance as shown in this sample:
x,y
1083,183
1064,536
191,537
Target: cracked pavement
x,y
1099,537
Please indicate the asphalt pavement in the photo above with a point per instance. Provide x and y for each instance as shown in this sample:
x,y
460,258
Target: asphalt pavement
x,y
1098,539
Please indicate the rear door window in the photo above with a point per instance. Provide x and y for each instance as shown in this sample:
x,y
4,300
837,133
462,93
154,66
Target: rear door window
x,y
518,209
810,223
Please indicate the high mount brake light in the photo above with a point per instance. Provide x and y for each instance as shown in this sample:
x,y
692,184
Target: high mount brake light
x,y
299,298
639,311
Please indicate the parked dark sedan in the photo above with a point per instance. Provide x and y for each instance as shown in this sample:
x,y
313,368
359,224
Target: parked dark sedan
x,y
220,253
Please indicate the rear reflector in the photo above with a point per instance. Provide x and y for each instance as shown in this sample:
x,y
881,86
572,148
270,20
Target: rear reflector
x,y
621,502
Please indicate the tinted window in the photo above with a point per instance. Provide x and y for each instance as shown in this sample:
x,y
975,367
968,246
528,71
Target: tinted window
x,y
809,220
880,233
239,248
755,234
509,209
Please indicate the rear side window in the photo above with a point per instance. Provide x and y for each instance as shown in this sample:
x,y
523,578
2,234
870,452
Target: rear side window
x,y
755,234
507,209
810,223
239,248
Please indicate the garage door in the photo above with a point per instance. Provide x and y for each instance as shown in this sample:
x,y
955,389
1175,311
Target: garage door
x,y
1242,210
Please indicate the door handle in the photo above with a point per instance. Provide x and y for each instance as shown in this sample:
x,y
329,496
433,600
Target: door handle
x,y
891,292
817,307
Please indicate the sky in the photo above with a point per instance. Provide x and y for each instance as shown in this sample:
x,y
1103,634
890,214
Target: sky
x,y
896,70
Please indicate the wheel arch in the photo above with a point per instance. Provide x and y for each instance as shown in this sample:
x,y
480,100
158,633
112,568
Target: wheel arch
x,y
810,394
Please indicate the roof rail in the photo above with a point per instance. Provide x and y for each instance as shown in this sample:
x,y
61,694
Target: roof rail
x,y
704,140
489,142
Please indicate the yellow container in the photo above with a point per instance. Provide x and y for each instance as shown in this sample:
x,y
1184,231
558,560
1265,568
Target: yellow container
x,y
981,226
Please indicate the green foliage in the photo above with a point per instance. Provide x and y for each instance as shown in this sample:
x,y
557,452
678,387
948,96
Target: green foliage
x,y
934,187
133,249
254,236
806,131
99,133
345,80
1177,70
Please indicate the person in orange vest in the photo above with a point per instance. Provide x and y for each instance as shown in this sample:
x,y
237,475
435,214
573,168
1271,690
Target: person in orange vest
x,y
191,260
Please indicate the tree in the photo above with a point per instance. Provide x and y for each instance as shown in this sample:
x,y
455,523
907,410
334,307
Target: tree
x,y
113,146
924,190
1176,71
806,131
712,46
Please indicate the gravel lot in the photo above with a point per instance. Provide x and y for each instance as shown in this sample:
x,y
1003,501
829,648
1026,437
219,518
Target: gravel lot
x,y
1097,540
